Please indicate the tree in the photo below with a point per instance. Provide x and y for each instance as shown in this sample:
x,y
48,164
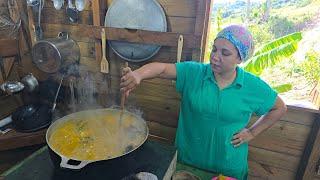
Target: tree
x,y
248,11
267,8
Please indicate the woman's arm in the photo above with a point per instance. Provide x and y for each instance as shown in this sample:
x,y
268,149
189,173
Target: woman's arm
x,y
262,124
266,121
131,79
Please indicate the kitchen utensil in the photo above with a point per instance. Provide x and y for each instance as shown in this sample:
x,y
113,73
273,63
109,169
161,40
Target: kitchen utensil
x,y
38,29
80,4
5,121
135,14
123,99
58,4
98,114
31,117
34,4
180,46
104,65
30,82
72,12
56,96
5,131
52,55
11,87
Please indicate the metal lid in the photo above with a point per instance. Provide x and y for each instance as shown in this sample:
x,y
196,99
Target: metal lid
x,y
136,14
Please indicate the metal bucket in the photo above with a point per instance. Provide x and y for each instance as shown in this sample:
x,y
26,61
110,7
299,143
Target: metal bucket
x,y
54,54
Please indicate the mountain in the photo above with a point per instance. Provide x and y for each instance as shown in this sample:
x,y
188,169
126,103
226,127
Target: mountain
x,y
239,6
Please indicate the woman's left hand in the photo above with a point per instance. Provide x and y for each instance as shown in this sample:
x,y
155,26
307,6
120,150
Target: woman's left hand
x,y
243,136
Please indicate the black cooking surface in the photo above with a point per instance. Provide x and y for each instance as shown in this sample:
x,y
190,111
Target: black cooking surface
x,y
153,157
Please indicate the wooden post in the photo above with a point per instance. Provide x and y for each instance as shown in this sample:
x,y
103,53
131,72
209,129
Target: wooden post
x,y
311,155
201,27
207,27
315,95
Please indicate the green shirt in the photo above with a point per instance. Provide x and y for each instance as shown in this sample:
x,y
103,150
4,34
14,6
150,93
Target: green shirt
x,y
209,117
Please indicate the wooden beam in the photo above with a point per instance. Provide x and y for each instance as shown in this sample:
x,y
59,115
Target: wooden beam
x,y
206,29
307,167
89,32
31,26
97,21
199,27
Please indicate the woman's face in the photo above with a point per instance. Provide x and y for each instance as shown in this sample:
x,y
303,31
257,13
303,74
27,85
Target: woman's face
x,y
224,56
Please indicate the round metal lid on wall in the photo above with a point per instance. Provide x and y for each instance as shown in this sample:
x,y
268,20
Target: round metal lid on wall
x,y
135,14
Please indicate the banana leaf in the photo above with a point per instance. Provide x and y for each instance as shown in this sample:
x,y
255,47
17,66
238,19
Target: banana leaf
x,y
282,88
272,53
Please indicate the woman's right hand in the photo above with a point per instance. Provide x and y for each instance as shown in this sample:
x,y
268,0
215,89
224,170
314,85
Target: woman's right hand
x,y
129,80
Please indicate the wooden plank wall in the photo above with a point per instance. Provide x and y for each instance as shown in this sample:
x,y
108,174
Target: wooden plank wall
x,y
275,154
155,98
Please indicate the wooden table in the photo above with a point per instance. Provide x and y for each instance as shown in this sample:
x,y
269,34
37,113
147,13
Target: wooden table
x,y
14,139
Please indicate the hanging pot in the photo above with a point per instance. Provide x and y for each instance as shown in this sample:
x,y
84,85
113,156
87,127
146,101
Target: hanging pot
x,y
52,55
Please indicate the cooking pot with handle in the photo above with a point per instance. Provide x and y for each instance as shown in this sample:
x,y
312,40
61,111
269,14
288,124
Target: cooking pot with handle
x,y
91,130
54,54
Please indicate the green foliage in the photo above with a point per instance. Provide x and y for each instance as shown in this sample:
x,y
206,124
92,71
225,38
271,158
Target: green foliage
x,y
310,67
272,53
303,3
261,34
219,20
280,26
282,88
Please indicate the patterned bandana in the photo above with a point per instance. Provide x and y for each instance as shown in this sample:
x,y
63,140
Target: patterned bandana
x,y
241,38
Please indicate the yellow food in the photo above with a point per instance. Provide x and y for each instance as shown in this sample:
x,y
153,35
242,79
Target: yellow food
x,y
97,137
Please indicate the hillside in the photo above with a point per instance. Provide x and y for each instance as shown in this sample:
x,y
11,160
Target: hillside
x,y
286,16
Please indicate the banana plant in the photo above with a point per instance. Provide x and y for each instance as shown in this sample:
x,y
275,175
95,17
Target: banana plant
x,y
272,53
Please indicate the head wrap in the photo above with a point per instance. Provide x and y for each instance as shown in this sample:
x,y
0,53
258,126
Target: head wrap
x,y
241,38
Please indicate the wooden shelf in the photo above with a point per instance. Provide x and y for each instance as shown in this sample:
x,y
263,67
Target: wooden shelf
x,y
14,139
133,35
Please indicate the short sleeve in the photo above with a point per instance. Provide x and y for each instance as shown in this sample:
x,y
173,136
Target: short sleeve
x,y
269,97
184,70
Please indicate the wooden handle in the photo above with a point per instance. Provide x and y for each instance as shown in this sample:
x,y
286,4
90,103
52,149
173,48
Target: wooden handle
x,y
103,42
180,46
123,95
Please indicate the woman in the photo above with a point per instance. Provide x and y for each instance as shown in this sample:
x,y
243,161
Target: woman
x,y
217,101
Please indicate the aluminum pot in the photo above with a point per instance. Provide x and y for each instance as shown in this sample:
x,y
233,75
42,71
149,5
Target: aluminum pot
x,y
30,82
84,168
52,55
